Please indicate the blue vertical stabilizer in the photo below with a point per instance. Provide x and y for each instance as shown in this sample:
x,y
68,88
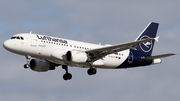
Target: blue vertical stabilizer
x,y
144,50
149,32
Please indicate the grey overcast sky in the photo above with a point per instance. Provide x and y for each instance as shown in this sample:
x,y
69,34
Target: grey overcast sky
x,y
95,21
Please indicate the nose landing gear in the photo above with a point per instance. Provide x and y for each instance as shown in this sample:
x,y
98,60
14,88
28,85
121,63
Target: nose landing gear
x,y
27,64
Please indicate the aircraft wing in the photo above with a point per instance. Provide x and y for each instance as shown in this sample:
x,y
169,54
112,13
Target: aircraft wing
x,y
99,53
158,56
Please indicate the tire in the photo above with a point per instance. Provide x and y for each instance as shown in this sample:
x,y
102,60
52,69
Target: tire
x,y
67,76
91,71
26,66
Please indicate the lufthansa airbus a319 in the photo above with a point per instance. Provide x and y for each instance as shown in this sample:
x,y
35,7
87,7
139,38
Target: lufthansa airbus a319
x,y
50,52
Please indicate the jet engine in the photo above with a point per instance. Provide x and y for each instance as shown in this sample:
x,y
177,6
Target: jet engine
x,y
76,56
40,65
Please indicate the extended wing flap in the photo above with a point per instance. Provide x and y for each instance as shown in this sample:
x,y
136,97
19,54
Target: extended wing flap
x,y
158,56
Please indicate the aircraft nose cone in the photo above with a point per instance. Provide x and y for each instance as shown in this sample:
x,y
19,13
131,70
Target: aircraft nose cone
x,y
7,45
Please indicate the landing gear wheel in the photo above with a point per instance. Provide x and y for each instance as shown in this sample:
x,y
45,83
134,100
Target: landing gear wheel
x,y
26,66
91,71
67,76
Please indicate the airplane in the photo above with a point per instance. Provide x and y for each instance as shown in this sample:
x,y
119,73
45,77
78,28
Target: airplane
x,y
50,52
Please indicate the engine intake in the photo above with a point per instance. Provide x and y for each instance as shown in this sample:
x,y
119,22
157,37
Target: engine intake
x,y
40,65
76,56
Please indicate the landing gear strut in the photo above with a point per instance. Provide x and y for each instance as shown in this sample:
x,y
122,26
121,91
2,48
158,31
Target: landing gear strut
x,y
67,75
91,70
27,64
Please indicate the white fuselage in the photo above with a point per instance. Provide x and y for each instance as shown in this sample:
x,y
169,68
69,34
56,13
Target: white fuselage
x,y
54,49
51,52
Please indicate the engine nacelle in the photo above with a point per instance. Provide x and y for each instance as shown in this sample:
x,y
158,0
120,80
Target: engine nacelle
x,y
40,65
76,56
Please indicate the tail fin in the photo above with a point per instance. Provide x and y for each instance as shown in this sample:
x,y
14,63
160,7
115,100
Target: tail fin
x,y
149,32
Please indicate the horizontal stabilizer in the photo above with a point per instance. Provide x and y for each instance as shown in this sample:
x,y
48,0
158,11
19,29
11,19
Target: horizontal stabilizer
x,y
158,56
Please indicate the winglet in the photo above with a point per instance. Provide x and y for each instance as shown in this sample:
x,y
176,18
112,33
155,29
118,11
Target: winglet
x,y
157,38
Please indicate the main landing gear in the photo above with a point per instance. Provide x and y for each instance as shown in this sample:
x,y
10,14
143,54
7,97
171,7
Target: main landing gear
x,y
91,70
28,58
67,75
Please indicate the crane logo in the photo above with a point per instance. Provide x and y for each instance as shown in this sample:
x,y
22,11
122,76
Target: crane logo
x,y
146,46
130,58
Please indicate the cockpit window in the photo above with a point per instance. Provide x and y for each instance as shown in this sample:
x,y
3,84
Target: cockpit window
x,y
13,37
17,37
